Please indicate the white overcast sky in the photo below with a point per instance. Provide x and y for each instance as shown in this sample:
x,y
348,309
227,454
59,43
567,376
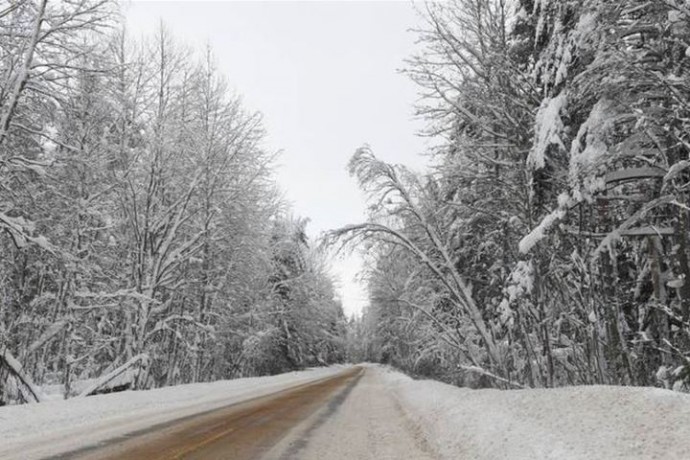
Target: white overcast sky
x,y
325,76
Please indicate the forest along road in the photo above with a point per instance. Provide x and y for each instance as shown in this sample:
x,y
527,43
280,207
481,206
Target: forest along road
x,y
346,416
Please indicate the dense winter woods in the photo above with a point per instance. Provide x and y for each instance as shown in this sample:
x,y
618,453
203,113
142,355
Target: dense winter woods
x,y
549,245
142,239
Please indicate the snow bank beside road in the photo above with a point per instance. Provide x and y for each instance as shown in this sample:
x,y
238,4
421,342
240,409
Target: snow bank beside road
x,y
53,427
573,423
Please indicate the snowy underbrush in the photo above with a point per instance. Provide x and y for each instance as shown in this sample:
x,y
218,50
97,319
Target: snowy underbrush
x,y
584,422
57,426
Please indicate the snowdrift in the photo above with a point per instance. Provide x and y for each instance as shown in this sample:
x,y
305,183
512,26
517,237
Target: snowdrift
x,y
585,422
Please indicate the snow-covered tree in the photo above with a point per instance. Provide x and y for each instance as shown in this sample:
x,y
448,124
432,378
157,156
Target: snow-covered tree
x,y
141,230
558,189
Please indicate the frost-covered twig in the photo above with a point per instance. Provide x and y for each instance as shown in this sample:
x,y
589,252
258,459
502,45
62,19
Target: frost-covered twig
x,y
479,370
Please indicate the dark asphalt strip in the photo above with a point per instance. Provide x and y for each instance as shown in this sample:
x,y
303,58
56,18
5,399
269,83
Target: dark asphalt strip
x,y
240,430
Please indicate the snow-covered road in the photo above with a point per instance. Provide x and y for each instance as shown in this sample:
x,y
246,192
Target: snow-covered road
x,y
364,422
370,412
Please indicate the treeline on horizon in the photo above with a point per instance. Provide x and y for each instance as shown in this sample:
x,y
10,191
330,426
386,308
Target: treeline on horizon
x,y
143,239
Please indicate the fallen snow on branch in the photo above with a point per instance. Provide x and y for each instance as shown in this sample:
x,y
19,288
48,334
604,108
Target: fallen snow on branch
x,y
548,128
539,232
573,423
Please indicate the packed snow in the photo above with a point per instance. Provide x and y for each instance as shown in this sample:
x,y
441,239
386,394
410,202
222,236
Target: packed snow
x,y
53,427
572,423
364,422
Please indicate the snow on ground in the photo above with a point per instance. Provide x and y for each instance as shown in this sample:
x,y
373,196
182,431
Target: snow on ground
x,y
572,423
388,415
53,427
364,422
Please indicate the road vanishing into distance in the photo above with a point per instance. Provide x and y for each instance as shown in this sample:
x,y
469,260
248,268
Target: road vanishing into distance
x,y
346,416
